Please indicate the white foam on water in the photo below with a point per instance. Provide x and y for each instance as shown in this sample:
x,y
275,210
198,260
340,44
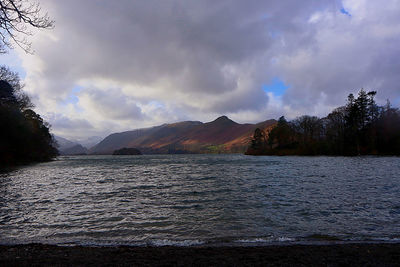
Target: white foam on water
x,y
254,240
177,243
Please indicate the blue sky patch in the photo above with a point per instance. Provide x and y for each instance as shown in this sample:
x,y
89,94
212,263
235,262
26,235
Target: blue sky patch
x,y
72,98
397,102
274,34
344,11
156,104
12,61
277,87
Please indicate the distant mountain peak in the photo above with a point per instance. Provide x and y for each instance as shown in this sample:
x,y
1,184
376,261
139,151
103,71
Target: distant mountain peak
x,y
223,119
219,136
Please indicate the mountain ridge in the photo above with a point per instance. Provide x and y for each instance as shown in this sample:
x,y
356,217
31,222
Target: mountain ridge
x,y
221,135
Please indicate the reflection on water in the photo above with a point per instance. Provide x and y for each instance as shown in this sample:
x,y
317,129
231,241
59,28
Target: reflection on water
x,y
196,199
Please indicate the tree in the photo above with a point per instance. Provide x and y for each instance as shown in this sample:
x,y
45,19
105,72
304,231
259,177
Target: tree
x,y
282,134
258,143
308,127
12,89
361,117
16,17
335,130
24,136
7,96
373,109
362,102
388,130
308,131
361,127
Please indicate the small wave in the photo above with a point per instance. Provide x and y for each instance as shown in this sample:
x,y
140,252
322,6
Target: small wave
x,y
143,186
323,237
108,180
177,243
285,239
387,239
254,240
266,240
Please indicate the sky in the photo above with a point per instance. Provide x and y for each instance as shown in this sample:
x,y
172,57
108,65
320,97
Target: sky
x,y
111,66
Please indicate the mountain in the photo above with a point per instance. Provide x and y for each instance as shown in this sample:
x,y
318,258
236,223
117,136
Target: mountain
x,y
89,141
120,140
68,147
75,150
219,136
63,143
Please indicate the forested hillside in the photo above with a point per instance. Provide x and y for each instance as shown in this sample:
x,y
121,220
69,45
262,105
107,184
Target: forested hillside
x,y
361,127
24,136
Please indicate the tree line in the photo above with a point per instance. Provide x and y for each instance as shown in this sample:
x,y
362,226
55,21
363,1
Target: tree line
x,y
360,127
24,135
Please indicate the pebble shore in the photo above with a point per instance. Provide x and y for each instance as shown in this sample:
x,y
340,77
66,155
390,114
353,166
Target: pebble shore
x,y
381,254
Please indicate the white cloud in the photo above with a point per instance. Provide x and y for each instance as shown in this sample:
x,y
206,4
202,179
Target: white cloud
x,y
142,63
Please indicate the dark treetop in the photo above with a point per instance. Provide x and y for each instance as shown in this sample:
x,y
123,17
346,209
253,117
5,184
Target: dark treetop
x,y
361,127
24,136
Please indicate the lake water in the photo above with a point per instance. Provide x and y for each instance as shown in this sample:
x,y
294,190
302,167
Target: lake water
x,y
201,199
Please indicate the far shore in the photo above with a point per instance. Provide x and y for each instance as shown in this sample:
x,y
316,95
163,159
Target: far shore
x,y
354,254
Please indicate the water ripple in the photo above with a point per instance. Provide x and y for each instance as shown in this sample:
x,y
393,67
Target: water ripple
x,y
198,199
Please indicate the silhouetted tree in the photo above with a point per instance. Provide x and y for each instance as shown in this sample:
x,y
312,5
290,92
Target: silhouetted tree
x,y
360,127
309,131
388,130
24,136
335,127
258,144
12,89
361,117
283,133
7,96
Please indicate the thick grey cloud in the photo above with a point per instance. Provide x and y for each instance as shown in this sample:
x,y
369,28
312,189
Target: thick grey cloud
x,y
173,60
347,53
111,104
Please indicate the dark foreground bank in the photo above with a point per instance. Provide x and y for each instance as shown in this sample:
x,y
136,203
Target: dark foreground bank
x,y
294,255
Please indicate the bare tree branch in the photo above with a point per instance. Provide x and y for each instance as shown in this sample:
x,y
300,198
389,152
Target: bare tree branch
x,y
16,17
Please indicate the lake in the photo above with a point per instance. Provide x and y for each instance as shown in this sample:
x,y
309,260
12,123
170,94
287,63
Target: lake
x,y
201,199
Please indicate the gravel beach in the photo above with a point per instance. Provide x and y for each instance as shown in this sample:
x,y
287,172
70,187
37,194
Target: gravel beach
x,y
375,254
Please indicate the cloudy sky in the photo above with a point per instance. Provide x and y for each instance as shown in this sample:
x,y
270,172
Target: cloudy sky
x,y
111,66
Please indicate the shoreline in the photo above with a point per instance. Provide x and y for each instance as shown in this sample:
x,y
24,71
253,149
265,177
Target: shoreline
x,y
355,254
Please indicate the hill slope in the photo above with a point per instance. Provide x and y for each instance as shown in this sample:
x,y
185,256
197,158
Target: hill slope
x,y
75,150
219,136
63,143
